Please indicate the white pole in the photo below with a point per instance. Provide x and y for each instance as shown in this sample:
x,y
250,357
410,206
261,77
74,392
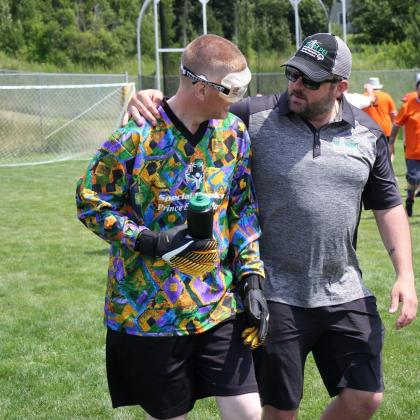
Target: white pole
x,y
326,14
157,49
343,11
295,4
204,7
204,4
297,32
157,54
139,20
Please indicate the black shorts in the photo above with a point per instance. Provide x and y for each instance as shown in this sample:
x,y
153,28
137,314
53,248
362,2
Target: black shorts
x,y
413,171
346,342
166,375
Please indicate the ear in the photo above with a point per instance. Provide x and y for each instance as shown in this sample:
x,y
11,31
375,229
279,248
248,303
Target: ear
x,y
200,91
342,86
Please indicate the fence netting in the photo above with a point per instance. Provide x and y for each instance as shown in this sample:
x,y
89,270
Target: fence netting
x,y
395,82
17,78
45,117
40,124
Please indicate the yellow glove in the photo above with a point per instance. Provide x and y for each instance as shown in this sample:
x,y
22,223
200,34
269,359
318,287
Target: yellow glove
x,y
256,311
195,257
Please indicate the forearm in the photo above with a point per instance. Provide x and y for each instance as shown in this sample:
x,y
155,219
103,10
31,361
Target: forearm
x,y
100,198
393,115
248,261
394,133
103,219
242,213
395,233
244,233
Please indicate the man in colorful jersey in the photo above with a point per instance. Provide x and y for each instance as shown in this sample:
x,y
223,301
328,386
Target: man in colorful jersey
x,y
316,159
174,336
409,117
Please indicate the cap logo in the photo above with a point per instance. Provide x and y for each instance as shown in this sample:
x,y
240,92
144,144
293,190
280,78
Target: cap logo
x,y
313,49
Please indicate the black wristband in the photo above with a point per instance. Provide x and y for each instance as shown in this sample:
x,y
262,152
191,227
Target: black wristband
x,y
146,242
251,281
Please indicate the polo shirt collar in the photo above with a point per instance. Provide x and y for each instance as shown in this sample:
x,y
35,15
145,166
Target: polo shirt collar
x,y
347,111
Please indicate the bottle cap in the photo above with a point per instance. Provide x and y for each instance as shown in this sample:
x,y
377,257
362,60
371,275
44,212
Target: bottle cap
x,y
200,202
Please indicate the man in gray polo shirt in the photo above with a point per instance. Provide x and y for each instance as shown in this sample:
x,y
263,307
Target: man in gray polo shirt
x,y
316,159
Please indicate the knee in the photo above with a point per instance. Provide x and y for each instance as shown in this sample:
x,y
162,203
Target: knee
x,y
250,412
253,414
367,402
272,413
243,413
246,407
375,401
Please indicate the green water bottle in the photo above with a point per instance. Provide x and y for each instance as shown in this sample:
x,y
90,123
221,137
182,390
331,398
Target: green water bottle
x,y
200,217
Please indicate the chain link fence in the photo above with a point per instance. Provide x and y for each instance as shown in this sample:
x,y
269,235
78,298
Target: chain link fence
x,y
52,116
47,123
396,82
18,78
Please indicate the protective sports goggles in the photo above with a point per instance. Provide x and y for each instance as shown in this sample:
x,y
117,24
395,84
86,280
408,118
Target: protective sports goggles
x,y
232,88
293,75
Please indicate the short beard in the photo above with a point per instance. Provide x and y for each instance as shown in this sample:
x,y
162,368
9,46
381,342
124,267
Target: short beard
x,y
315,109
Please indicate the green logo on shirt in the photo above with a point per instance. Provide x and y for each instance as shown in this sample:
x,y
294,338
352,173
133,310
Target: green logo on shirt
x,y
345,143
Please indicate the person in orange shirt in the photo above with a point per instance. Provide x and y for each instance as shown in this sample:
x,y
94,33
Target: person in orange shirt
x,y
409,117
409,95
413,93
382,110
405,98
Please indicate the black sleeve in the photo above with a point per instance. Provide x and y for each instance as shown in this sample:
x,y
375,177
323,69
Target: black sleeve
x,y
254,104
381,190
241,110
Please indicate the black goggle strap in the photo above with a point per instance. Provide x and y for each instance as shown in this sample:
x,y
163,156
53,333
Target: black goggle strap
x,y
185,71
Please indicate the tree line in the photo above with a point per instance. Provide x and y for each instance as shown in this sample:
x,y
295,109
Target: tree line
x,y
102,32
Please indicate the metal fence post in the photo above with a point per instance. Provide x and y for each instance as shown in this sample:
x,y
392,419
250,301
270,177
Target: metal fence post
x,y
41,109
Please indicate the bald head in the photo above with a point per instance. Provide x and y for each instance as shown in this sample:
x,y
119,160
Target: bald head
x,y
213,56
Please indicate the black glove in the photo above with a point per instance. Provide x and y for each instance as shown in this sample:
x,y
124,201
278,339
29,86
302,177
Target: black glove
x,y
256,311
195,257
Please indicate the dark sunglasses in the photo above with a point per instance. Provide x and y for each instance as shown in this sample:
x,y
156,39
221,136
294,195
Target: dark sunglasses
x,y
293,75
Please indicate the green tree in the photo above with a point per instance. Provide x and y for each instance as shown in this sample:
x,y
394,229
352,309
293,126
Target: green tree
x,y
224,13
410,45
100,33
166,20
11,32
389,22
376,21
271,21
312,17
244,26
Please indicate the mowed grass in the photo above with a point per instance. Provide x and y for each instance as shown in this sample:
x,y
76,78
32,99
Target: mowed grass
x,y
52,284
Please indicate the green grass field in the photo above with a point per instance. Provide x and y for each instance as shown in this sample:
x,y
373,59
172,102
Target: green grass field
x,y
52,284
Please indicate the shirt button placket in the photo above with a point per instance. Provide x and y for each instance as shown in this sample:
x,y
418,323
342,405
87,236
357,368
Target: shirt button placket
x,y
317,145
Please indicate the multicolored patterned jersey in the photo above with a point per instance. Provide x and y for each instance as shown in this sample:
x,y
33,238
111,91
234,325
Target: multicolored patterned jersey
x,y
144,177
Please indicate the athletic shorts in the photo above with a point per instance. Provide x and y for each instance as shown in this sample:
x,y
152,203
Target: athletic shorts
x,y
413,171
346,342
166,375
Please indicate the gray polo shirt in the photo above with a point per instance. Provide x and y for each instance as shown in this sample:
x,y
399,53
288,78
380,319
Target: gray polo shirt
x,y
310,185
